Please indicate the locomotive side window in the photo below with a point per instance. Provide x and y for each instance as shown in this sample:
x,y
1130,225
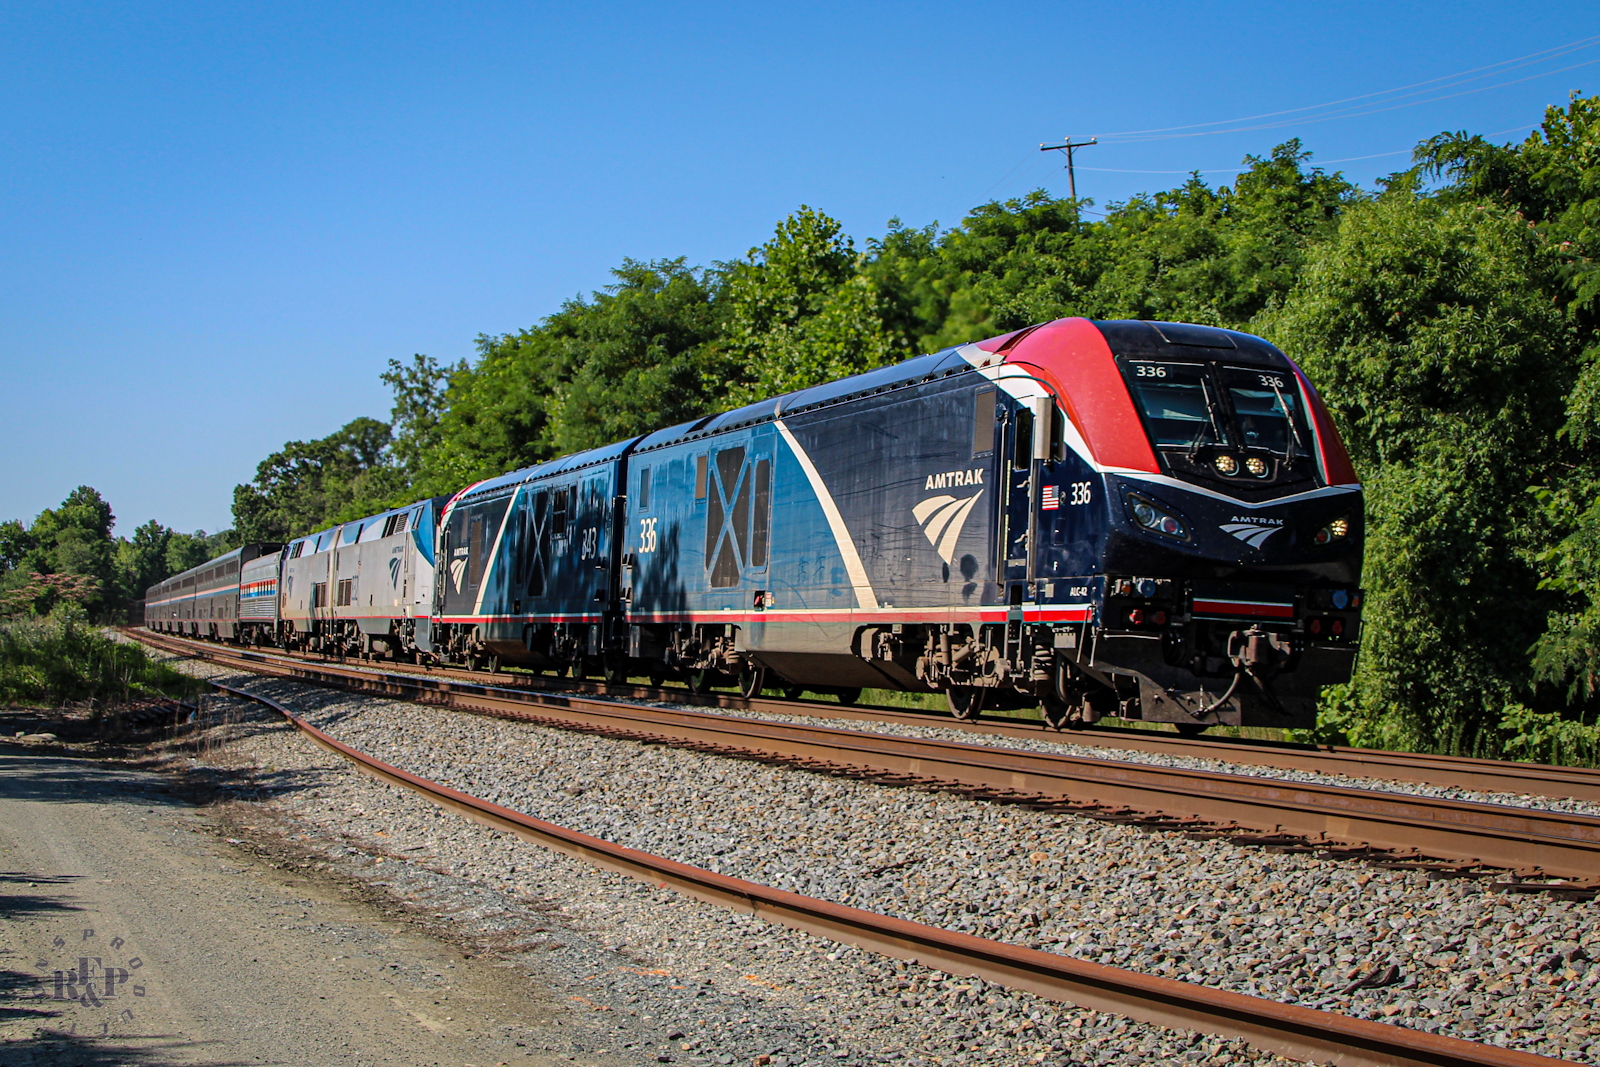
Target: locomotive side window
x,y
758,534
561,499
1177,402
727,519
983,423
475,550
1022,441
644,488
700,477
1267,408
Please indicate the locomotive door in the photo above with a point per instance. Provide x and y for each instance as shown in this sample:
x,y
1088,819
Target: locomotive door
x,y
1016,510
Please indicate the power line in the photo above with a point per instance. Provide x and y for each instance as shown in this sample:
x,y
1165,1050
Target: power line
x,y
1350,114
1522,61
1316,163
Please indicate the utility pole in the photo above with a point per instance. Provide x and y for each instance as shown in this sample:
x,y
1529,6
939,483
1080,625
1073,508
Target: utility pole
x,y
1072,180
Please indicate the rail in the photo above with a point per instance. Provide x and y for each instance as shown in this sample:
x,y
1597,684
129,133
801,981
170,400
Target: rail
x,y
1532,843
1286,1029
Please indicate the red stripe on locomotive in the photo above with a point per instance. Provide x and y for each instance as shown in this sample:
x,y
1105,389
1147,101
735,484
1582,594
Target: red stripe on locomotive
x,y
1072,356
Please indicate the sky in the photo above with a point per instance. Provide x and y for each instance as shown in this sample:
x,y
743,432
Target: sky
x,y
219,222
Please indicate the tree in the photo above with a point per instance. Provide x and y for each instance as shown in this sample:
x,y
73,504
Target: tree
x,y
310,484
420,401
1552,179
73,540
800,312
141,561
1430,330
15,544
625,361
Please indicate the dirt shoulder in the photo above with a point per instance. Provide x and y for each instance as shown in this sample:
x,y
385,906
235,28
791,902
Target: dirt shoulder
x,y
137,927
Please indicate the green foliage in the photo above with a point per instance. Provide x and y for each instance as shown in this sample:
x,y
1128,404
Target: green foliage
x,y
1552,180
419,404
73,539
801,312
15,545
625,361
42,594
1567,654
1545,737
60,660
310,484
1430,330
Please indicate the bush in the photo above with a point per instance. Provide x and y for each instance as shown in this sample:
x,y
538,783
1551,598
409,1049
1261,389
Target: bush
x,y
61,659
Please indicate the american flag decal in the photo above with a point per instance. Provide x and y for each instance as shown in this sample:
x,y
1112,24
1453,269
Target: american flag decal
x,y
1051,498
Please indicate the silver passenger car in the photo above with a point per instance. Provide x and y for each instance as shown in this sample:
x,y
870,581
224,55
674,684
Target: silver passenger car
x,y
204,601
364,587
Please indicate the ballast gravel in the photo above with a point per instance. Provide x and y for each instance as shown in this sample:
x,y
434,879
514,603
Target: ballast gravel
x,y
1446,956
655,977
1050,746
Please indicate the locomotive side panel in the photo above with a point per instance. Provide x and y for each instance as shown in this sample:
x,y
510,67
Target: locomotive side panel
x,y
304,598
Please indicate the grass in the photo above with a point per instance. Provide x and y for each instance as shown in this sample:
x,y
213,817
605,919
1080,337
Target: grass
x,y
57,661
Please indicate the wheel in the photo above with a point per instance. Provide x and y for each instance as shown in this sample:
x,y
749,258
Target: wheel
x,y
1057,712
1189,729
494,663
658,678
793,692
751,681
965,701
698,681
616,672
848,696
579,670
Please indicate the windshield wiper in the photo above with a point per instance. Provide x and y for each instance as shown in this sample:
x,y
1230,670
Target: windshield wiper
x,y
1210,423
1289,450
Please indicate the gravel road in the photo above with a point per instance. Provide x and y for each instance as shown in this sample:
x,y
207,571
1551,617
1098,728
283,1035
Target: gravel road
x,y
200,953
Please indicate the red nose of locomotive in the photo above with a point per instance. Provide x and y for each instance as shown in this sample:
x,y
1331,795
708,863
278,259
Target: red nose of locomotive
x,y
1225,577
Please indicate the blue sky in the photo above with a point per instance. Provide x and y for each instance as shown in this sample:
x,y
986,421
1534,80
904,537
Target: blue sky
x,y
218,222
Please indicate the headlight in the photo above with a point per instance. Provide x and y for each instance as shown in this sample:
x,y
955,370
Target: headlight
x,y
1256,466
1153,517
1337,530
1226,465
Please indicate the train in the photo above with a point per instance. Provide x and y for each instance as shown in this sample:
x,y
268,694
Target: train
x,y
1095,518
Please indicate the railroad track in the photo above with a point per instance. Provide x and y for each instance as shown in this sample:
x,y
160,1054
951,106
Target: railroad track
x,y
1542,850
1459,772
1289,1030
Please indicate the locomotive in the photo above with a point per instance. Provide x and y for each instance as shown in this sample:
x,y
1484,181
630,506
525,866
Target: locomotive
x,y
1148,520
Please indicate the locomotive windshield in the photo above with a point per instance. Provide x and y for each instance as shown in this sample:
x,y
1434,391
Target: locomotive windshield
x,y
1192,405
1178,403
1266,407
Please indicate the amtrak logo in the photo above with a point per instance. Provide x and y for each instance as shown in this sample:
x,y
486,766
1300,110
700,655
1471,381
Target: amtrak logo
x,y
458,567
1253,534
942,518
